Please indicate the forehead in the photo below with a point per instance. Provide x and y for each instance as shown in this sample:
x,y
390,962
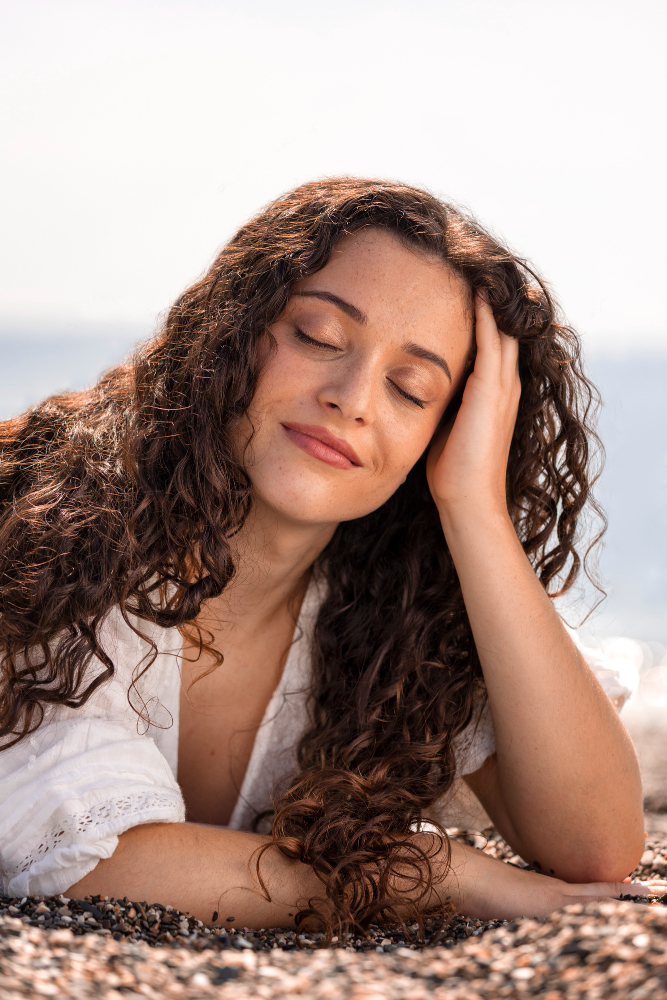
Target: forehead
x,y
383,277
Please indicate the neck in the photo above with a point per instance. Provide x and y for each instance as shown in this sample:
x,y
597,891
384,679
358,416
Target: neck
x,y
273,557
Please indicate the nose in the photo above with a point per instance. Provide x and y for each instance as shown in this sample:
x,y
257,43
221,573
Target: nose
x,y
350,393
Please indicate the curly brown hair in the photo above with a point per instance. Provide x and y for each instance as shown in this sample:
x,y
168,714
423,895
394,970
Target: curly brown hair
x,y
111,495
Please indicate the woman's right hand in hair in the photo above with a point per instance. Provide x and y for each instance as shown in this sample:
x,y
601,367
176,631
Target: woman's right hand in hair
x,y
481,886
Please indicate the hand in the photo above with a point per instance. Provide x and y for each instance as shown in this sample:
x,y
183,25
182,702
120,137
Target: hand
x,y
489,889
467,461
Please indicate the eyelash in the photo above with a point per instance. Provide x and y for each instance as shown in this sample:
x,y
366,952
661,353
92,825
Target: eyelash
x,y
305,339
413,399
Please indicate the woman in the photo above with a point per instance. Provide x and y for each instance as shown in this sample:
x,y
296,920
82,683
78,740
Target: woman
x,y
330,429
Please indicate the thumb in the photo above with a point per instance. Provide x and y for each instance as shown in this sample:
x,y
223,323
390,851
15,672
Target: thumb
x,y
438,442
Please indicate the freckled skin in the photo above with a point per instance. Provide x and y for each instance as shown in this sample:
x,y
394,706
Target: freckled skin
x,y
349,387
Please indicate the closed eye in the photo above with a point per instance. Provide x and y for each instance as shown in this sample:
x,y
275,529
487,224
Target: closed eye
x,y
321,345
305,339
406,395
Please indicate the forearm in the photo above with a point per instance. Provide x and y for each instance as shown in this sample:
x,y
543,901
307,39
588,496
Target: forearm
x,y
566,767
210,873
206,871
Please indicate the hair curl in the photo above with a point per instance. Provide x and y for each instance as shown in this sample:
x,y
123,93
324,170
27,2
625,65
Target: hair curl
x,y
111,495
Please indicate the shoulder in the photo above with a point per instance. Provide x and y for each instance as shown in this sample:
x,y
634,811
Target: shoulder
x,y
87,774
144,657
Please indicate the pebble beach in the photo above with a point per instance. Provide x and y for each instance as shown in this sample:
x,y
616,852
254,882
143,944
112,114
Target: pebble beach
x,y
113,949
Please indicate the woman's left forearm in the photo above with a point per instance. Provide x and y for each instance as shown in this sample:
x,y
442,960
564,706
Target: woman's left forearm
x,y
567,771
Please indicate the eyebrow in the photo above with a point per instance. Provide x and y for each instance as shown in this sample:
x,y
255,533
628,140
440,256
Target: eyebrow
x,y
356,314
426,355
359,317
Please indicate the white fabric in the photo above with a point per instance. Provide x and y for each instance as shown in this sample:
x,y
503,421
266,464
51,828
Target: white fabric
x,y
87,775
69,790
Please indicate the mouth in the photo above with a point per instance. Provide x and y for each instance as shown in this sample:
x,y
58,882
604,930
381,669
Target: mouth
x,y
321,443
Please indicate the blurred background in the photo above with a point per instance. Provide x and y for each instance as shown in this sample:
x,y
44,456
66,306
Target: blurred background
x,y
139,135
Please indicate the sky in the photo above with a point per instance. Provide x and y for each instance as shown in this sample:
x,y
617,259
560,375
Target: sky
x,y
139,135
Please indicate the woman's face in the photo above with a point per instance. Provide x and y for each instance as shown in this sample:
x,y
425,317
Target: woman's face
x,y
366,355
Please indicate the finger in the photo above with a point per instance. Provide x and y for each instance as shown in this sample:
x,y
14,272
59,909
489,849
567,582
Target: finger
x,y
653,887
648,887
438,442
509,349
496,352
595,892
606,890
487,336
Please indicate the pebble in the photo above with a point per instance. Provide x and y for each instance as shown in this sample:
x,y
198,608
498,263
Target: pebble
x,y
109,949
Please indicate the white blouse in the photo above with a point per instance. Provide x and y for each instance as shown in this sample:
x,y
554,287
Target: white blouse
x,y
86,775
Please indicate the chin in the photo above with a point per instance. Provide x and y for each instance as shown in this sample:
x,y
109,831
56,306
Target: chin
x,y
306,499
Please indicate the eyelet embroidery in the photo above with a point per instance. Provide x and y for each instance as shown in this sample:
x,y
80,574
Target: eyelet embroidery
x,y
140,807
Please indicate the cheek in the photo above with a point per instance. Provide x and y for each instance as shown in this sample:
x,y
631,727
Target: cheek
x,y
283,376
283,388
404,442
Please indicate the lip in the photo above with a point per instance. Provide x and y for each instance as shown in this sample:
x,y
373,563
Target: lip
x,y
336,451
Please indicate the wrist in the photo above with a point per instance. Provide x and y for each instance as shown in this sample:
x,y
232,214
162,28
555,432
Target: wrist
x,y
474,512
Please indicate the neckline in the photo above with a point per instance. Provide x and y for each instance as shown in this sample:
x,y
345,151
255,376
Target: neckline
x,y
293,669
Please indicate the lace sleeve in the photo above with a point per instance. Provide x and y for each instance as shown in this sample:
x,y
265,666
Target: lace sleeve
x,y
84,777
67,792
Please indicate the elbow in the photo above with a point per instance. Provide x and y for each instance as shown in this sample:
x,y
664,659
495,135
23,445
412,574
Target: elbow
x,y
612,862
600,870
